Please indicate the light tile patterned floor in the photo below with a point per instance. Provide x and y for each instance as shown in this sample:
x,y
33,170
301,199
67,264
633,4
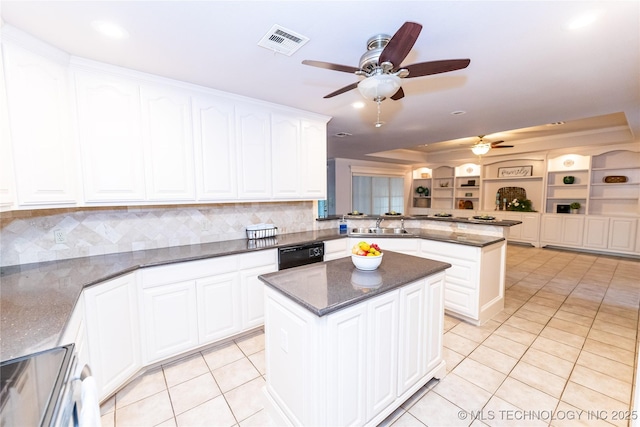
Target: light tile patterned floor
x,y
561,353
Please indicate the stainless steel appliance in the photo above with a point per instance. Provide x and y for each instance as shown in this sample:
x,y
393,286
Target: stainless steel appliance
x,y
48,389
297,255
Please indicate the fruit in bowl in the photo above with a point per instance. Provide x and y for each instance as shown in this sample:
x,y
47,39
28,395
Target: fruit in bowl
x,y
366,256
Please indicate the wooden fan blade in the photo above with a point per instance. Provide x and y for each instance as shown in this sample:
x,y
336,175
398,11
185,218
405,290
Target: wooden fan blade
x,y
342,90
398,95
436,67
330,66
400,44
496,144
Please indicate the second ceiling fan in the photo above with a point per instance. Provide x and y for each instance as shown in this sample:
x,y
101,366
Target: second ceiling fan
x,y
381,65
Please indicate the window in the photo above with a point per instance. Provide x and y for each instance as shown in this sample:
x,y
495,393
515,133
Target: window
x,y
377,195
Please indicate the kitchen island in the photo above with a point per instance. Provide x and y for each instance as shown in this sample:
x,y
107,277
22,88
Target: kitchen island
x,y
348,347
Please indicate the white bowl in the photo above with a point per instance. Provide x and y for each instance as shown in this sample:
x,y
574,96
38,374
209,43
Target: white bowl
x,y
366,263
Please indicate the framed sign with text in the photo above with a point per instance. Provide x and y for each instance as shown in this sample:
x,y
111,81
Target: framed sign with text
x,y
515,171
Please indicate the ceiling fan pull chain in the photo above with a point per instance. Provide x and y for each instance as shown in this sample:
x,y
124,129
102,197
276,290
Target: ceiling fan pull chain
x,y
378,123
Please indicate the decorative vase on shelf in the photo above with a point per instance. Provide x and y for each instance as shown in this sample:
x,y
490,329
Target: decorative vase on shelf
x,y
574,211
568,179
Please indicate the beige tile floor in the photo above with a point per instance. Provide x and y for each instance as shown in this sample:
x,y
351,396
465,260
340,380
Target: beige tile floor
x,y
562,353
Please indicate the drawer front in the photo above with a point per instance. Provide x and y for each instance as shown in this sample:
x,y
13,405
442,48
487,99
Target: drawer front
x,y
460,300
181,271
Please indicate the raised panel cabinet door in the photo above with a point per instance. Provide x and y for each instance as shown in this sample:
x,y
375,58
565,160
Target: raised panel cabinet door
x,y
109,127
253,135
551,228
39,113
622,234
347,349
111,313
434,320
596,232
167,131
285,159
170,320
572,230
219,307
515,232
253,295
382,348
7,183
530,227
313,160
215,148
411,347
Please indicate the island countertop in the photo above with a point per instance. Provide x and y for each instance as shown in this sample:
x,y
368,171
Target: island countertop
x,y
323,288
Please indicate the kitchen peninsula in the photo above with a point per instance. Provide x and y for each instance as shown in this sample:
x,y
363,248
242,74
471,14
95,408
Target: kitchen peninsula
x,y
347,347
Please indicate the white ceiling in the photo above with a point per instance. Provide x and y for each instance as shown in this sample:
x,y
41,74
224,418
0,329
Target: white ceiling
x,y
527,67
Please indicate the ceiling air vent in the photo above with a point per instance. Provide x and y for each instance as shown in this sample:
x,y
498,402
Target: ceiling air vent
x,y
283,40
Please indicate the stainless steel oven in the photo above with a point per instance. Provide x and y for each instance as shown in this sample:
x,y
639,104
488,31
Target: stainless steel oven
x,y
297,255
48,388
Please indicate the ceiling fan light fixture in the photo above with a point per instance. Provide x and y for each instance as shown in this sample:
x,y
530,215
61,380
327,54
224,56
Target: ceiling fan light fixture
x,y
481,149
379,86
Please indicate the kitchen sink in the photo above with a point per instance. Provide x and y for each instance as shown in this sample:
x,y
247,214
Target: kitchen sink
x,y
373,230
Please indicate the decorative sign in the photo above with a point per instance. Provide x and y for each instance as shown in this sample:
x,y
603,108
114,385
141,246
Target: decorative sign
x,y
515,172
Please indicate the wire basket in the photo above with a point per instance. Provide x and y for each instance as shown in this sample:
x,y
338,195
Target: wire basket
x,y
261,231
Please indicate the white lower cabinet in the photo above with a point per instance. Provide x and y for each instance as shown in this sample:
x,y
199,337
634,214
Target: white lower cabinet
x,y
219,306
355,366
562,229
528,231
111,313
170,322
334,249
475,282
190,304
251,266
622,232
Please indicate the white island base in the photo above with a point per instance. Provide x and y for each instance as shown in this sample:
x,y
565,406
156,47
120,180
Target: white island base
x,y
354,366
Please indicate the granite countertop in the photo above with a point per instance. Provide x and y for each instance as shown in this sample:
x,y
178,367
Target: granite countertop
x,y
38,299
455,237
323,288
456,219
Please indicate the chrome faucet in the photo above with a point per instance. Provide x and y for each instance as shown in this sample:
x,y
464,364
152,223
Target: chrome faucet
x,y
378,221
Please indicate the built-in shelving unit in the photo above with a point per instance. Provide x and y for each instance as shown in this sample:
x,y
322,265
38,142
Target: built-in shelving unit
x,y
421,188
495,178
606,184
608,196
467,186
443,187
567,182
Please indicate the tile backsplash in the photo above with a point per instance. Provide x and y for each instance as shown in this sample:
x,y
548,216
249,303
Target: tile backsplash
x,y
28,236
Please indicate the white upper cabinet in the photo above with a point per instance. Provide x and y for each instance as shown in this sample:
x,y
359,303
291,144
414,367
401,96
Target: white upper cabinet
x,y
299,158
7,183
109,127
313,159
215,146
286,168
253,136
110,136
168,138
37,91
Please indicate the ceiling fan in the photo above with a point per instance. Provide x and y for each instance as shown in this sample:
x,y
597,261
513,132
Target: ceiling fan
x,y
482,147
380,65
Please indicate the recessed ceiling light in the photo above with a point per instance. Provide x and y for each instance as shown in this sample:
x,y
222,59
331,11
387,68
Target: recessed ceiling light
x,y
458,112
358,105
110,29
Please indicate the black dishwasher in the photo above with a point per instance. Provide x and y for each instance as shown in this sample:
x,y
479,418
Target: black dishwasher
x,y
297,255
